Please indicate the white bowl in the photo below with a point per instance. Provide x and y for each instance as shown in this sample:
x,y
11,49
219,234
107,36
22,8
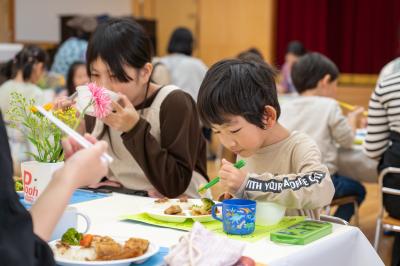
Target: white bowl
x,y
269,213
84,97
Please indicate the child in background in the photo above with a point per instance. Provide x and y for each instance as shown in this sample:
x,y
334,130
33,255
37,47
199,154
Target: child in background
x,y
318,114
238,100
295,50
24,71
77,75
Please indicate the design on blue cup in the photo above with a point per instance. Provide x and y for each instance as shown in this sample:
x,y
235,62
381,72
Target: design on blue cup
x,y
238,216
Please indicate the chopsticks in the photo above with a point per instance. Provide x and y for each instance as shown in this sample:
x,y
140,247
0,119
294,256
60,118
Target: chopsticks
x,y
73,96
350,107
239,164
75,135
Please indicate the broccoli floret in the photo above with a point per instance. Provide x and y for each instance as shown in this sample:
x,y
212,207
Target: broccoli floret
x,y
71,237
207,204
18,185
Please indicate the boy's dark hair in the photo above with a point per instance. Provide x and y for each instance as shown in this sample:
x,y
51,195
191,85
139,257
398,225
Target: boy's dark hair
x,y
310,69
71,74
251,54
119,42
237,87
296,48
181,42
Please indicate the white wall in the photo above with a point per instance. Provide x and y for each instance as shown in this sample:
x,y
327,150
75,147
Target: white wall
x,y
38,20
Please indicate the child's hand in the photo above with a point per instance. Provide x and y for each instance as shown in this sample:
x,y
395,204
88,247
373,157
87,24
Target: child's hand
x,y
231,177
355,116
124,118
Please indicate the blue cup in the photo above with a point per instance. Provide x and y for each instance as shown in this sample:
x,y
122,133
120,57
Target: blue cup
x,y
238,216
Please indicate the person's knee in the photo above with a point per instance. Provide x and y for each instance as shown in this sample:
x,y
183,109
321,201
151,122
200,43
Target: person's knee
x,y
362,192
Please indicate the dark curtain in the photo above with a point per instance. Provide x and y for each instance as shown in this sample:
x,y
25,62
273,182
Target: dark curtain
x,y
360,36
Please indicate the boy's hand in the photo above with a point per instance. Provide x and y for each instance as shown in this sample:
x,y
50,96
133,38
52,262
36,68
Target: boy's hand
x,y
354,117
231,177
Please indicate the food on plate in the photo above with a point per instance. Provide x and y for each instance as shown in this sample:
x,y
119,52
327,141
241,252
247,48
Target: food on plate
x,y
173,210
98,248
204,209
18,185
162,200
71,237
183,199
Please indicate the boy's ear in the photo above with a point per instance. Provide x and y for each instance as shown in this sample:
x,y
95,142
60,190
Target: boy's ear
x,y
269,117
325,80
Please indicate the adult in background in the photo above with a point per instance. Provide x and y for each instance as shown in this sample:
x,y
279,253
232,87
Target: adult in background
x,y
74,48
186,71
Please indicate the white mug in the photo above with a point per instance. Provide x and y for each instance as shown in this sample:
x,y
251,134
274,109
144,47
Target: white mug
x,y
69,219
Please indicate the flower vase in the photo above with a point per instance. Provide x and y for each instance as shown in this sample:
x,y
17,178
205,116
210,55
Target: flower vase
x,y
36,176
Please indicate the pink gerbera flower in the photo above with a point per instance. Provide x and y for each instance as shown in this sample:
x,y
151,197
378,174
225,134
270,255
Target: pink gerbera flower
x,y
101,100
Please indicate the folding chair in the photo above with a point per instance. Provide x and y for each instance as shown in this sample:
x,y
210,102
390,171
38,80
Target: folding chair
x,y
333,219
342,201
384,221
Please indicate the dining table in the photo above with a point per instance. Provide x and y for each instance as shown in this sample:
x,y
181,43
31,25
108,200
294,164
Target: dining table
x,y
346,245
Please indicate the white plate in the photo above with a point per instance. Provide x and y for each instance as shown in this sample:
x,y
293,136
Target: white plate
x,y
20,193
156,211
151,251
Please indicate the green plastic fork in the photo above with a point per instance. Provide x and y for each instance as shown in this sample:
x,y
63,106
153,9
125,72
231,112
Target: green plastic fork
x,y
239,164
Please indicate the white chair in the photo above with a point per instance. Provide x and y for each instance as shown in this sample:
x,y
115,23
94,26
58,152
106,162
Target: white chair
x,y
384,221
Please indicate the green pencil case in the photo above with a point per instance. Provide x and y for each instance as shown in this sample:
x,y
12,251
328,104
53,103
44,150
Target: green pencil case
x,y
302,233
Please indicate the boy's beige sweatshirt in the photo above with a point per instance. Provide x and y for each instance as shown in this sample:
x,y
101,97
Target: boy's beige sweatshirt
x,y
289,173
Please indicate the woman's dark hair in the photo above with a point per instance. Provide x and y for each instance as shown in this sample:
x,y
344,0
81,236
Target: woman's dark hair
x,y
119,42
24,61
296,48
237,87
181,42
70,76
310,69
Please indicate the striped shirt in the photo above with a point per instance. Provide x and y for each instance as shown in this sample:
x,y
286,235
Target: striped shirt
x,y
383,115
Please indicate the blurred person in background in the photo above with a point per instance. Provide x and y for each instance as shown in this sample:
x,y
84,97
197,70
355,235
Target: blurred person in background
x,y
295,49
186,71
24,71
74,48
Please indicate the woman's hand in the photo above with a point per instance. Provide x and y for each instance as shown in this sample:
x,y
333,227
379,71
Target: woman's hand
x,y
63,102
124,117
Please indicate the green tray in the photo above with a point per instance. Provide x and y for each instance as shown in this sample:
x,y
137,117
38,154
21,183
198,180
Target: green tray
x,y
302,233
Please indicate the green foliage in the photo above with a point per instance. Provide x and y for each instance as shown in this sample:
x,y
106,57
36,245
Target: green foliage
x,y
44,135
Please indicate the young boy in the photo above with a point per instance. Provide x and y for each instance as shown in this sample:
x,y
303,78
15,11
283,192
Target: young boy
x,y
318,114
238,100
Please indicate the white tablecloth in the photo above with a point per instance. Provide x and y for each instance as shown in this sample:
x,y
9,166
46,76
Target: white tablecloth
x,y
345,246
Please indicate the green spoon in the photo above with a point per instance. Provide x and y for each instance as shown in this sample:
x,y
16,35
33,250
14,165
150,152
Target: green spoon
x,y
239,164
